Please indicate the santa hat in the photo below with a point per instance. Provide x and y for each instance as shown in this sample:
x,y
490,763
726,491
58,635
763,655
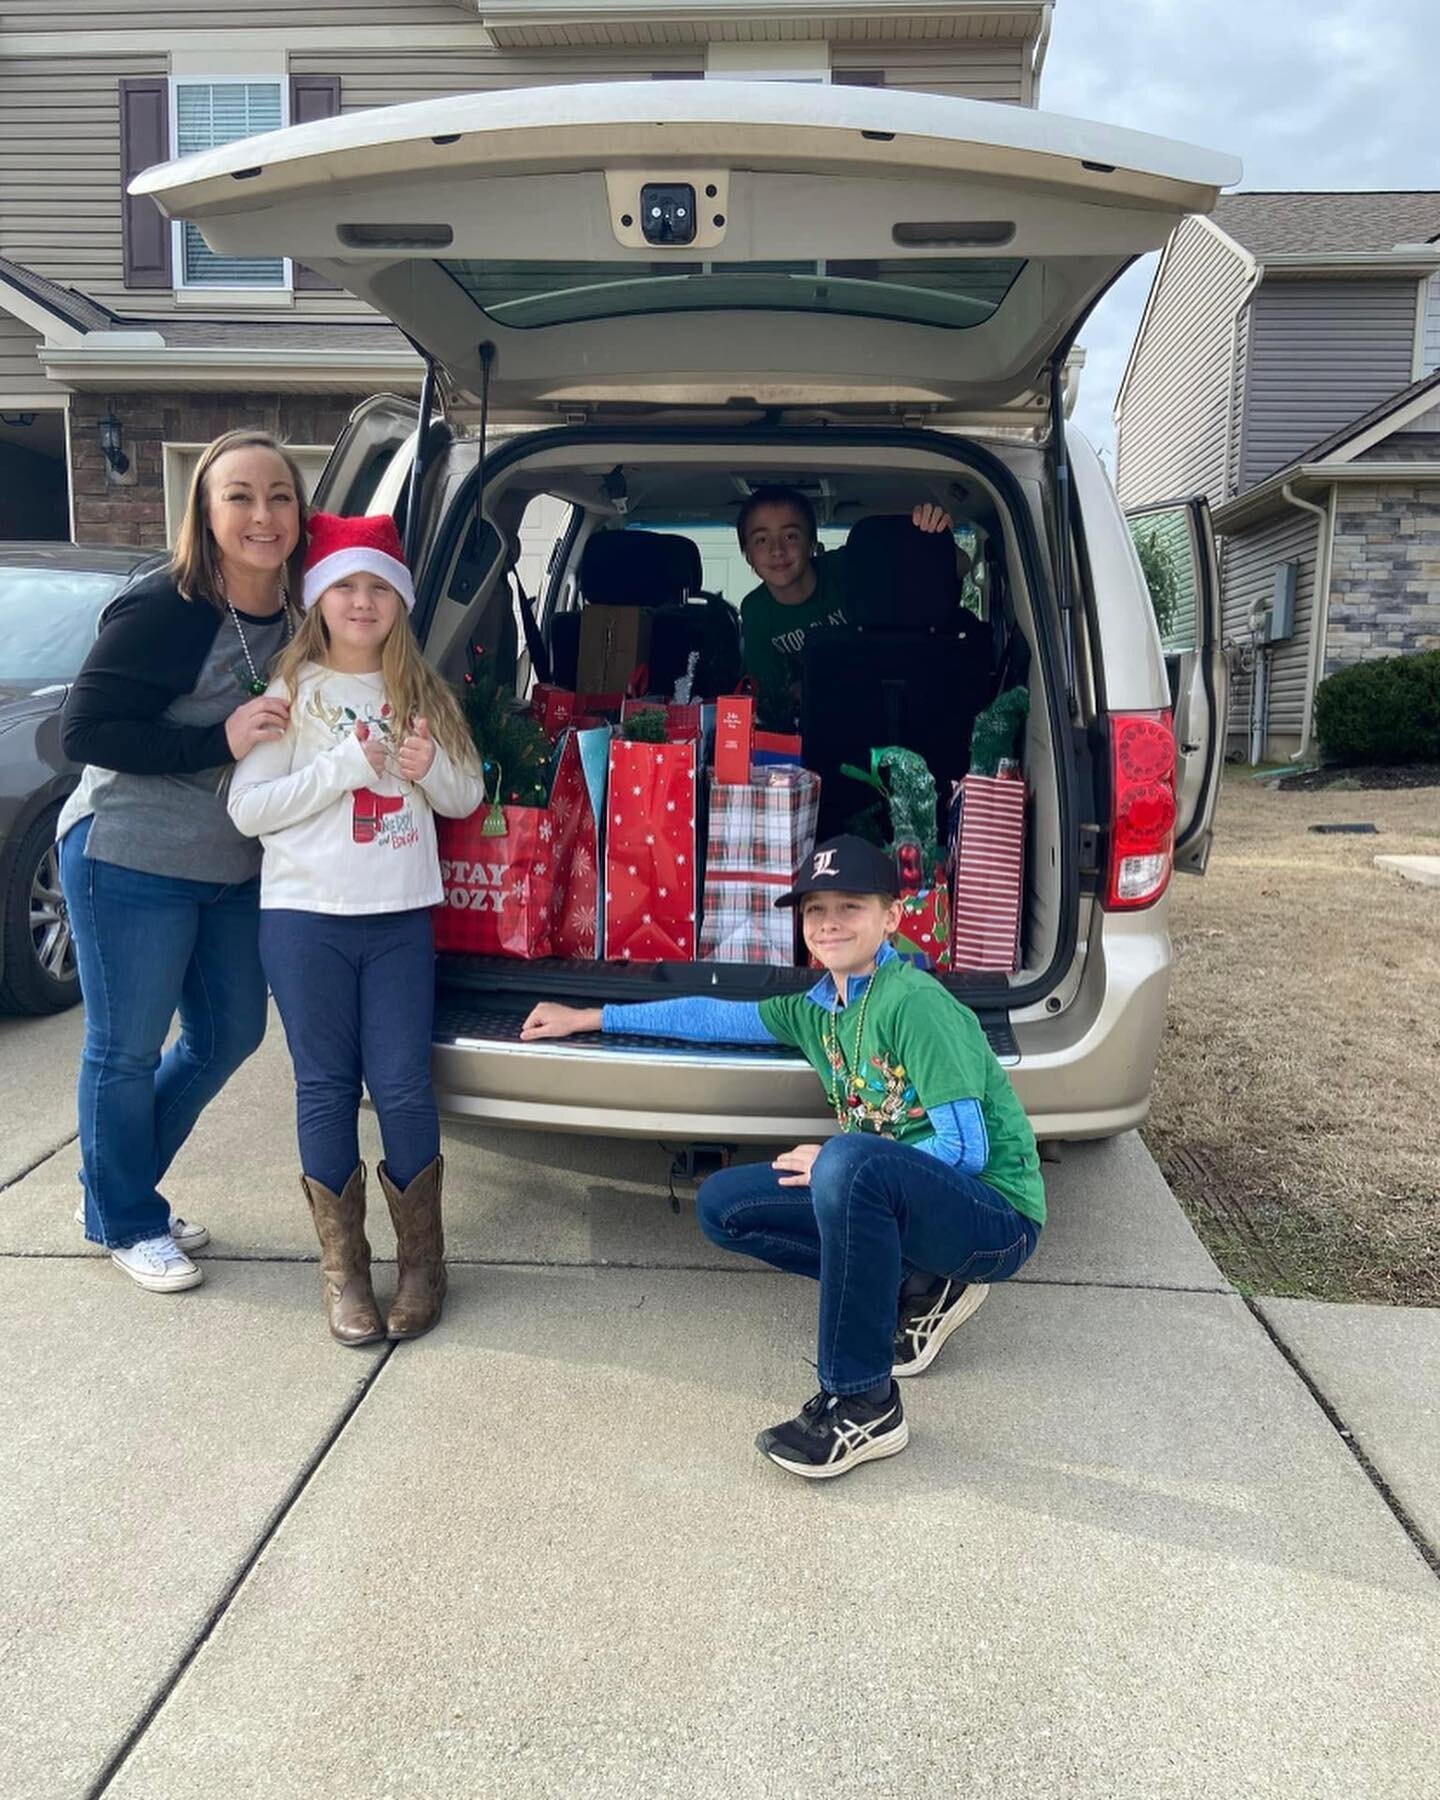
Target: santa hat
x,y
340,547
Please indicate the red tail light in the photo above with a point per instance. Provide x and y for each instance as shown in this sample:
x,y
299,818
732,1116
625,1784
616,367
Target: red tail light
x,y
1142,809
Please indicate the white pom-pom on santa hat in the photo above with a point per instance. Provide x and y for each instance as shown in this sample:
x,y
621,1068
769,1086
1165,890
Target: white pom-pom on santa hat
x,y
340,547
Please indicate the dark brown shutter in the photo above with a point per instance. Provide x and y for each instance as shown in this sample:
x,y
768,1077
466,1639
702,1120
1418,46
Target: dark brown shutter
x,y
144,141
313,97
857,78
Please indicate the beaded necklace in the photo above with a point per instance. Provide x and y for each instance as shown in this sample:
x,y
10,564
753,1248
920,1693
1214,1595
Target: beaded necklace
x,y
844,1096
258,684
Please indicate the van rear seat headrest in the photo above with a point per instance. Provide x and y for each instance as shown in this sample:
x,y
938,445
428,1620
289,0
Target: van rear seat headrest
x,y
639,568
900,578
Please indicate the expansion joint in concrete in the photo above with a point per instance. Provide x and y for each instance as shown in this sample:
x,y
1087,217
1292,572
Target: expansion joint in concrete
x,y
44,1157
213,1619
1427,1551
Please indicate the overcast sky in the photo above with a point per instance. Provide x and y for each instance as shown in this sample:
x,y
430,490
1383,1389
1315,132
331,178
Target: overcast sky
x,y
1309,93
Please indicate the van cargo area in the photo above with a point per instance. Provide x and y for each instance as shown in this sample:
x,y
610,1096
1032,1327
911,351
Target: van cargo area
x,y
692,485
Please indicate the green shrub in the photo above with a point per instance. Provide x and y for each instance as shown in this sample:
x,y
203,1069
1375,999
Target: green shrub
x,y
1161,577
1386,711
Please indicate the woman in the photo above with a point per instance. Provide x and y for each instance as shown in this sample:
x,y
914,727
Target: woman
x,y
163,891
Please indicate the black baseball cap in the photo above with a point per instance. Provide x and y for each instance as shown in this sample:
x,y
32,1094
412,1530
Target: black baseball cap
x,y
845,865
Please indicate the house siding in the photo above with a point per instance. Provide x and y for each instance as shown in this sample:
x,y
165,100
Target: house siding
x,y
1178,407
1384,572
972,69
20,372
1248,564
988,70
60,166
1320,354
264,15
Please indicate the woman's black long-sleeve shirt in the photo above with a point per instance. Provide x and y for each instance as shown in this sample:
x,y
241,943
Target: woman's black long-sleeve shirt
x,y
147,717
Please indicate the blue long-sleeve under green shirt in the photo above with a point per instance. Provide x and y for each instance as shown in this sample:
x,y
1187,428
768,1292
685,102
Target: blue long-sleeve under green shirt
x,y
927,1075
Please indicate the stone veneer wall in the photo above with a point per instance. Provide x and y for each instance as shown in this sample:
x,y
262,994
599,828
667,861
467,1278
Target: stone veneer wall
x,y
1384,572
130,508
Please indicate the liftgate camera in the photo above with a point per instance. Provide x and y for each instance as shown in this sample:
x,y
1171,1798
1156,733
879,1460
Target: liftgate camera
x,y
667,212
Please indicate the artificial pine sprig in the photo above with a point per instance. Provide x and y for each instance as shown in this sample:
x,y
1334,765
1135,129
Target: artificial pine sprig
x,y
508,741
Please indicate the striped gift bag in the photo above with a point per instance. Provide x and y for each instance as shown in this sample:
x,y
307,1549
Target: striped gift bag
x,y
760,833
989,874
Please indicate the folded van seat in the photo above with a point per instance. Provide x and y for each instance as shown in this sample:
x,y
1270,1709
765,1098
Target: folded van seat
x,y
662,572
912,667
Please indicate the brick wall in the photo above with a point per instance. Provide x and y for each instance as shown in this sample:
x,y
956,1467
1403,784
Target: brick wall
x,y
130,508
1384,572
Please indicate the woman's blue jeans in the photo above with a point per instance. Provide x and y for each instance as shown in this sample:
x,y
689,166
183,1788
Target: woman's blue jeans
x,y
356,994
874,1212
147,947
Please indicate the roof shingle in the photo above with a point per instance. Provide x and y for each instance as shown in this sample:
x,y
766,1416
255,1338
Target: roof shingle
x,y
1320,225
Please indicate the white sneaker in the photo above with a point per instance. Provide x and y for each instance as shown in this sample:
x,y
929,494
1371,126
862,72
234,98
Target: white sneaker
x,y
159,1264
188,1237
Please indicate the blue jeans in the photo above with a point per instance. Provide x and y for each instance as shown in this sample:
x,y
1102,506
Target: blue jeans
x,y
356,993
146,947
874,1212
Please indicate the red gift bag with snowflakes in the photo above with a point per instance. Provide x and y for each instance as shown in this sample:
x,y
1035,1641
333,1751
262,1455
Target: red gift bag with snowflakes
x,y
577,797
650,853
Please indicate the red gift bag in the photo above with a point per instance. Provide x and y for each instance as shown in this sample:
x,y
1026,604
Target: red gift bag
x,y
923,933
989,873
650,853
498,867
552,708
575,929
524,880
684,722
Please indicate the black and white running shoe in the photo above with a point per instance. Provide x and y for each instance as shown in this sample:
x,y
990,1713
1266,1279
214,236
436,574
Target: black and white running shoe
x,y
929,1319
833,1432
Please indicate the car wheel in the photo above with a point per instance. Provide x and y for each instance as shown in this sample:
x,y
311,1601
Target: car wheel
x,y
39,970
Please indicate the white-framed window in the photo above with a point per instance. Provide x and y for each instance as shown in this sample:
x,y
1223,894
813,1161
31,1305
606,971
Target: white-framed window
x,y
204,114
179,462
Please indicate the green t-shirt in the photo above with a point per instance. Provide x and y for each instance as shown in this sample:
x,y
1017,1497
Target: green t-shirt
x,y
921,1048
775,635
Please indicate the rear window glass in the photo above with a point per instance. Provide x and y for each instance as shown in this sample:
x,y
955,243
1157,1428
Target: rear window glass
x,y
955,292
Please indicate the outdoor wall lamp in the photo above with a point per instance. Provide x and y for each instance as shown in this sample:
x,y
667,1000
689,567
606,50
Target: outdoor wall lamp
x,y
110,444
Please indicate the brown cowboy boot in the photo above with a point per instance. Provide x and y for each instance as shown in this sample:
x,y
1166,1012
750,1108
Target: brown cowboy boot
x,y
345,1259
420,1250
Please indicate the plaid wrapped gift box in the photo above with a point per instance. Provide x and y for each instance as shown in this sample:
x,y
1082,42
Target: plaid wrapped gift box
x,y
760,833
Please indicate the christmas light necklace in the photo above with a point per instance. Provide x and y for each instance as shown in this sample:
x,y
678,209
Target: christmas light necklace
x,y
845,1109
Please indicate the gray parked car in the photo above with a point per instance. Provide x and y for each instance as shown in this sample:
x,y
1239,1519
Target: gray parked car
x,y
51,599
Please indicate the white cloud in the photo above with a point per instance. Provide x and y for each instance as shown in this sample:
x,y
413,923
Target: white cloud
x,y
1318,95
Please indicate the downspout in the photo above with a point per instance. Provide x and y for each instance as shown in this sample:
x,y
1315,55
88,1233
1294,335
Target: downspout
x,y
1234,426
1319,606
1042,44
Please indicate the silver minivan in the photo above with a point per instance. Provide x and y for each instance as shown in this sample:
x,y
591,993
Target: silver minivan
x,y
640,301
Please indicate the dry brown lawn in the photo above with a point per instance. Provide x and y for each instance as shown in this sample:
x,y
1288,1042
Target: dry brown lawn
x,y
1297,1105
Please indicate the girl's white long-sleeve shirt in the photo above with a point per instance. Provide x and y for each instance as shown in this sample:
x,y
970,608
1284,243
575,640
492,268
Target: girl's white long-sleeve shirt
x,y
338,837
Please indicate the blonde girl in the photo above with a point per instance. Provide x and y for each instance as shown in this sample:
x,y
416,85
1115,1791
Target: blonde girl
x,y
344,804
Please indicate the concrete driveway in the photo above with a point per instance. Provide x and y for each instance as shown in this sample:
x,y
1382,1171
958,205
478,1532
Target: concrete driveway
x,y
1131,1551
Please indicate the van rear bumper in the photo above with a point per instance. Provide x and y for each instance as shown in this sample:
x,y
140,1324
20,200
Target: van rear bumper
x,y
1083,1073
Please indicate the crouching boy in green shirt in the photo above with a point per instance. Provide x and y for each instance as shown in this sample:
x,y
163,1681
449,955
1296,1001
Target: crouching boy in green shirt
x,y
930,1191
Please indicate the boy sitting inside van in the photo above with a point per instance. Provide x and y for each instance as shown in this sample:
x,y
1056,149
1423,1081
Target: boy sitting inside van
x,y
929,1191
799,592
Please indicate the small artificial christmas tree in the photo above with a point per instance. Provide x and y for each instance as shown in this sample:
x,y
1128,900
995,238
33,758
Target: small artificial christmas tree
x,y
514,750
